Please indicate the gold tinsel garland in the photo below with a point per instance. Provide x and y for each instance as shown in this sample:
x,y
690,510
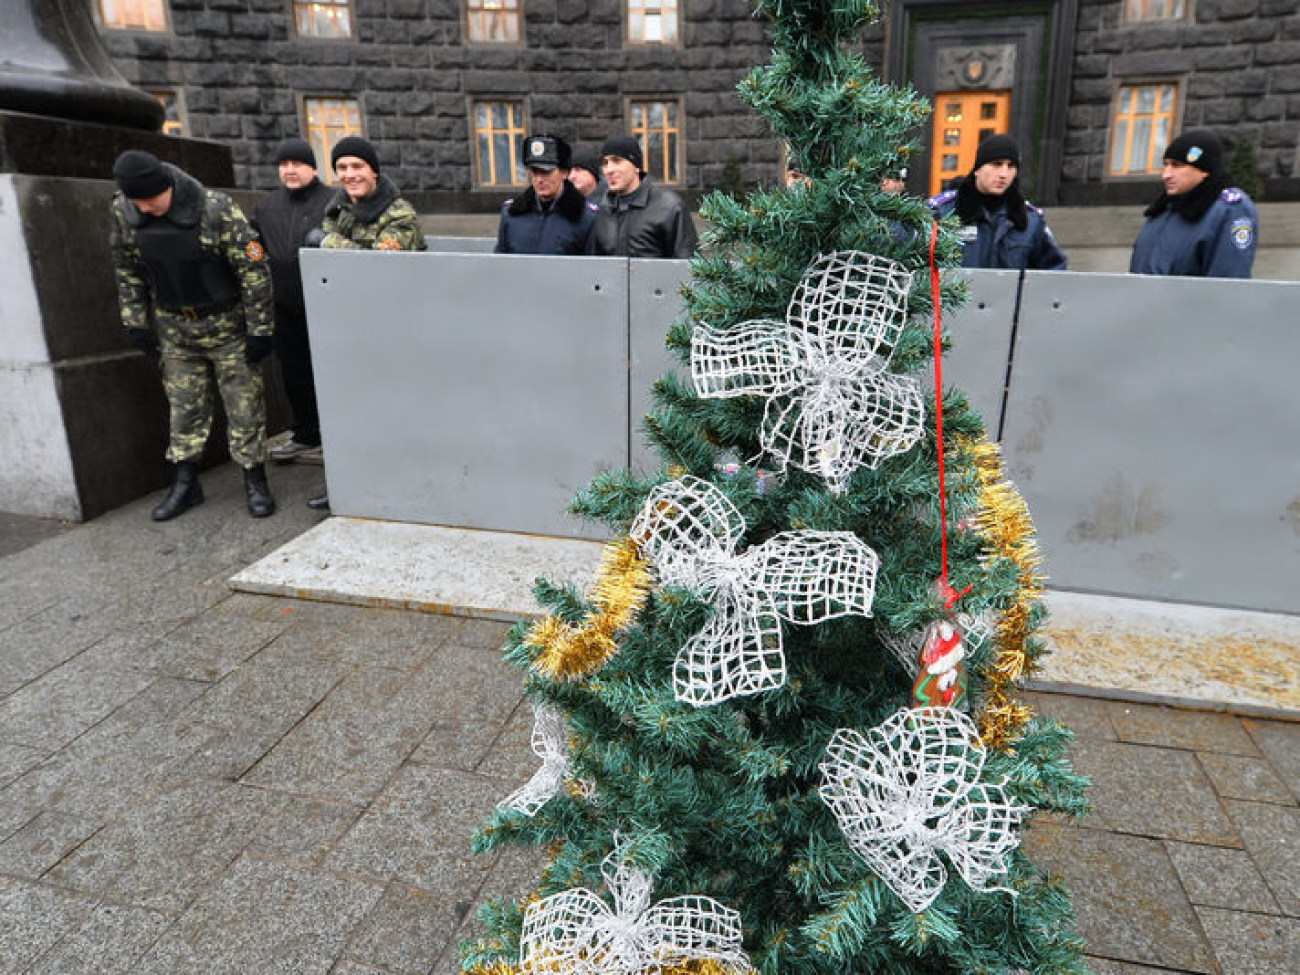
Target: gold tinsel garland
x,y
570,652
1008,531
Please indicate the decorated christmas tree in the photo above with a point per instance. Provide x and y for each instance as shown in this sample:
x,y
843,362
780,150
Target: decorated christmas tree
x,y
781,733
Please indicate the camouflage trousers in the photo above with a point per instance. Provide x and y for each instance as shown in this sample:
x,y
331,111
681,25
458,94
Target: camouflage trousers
x,y
188,377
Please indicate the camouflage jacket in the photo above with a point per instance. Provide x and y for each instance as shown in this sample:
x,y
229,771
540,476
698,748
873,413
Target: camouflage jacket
x,y
382,221
224,236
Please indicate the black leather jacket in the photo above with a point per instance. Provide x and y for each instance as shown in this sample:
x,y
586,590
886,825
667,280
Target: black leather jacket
x,y
282,219
651,221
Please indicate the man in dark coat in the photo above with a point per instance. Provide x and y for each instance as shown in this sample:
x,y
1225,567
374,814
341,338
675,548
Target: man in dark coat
x,y
999,227
638,217
283,218
551,216
1201,225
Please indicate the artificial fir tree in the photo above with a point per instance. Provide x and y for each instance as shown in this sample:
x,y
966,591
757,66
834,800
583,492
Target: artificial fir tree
x,y
731,776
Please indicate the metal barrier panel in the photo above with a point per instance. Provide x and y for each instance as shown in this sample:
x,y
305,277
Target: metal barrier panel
x,y
467,390
460,245
655,301
1151,426
981,343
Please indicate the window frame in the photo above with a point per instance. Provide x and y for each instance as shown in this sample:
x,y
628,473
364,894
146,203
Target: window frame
x,y
680,102
1146,20
517,167
1112,131
630,41
351,6
323,168
98,8
519,26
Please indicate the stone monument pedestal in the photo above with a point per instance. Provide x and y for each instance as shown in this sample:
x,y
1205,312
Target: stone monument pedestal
x,y
83,419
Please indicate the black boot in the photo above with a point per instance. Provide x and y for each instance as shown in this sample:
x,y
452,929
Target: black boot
x,y
260,502
186,492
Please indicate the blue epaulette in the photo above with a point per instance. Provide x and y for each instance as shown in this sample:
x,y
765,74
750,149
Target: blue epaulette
x,y
591,206
941,199
1232,195
507,203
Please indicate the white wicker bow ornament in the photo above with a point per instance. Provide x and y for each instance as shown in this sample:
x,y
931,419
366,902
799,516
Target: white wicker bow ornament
x,y
575,932
551,745
910,790
832,404
690,531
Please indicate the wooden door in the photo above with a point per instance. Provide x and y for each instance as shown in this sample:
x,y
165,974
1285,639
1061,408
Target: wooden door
x,y
962,120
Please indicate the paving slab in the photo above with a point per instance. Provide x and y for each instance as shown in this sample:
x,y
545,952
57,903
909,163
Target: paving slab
x,y
1280,744
33,918
457,571
1216,877
1238,777
109,942
407,931
1252,944
1271,835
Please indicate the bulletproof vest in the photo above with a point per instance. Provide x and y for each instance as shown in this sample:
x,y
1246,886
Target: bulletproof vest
x,y
182,272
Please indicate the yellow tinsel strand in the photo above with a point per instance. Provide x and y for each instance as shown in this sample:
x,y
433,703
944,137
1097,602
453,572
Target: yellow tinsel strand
x,y
571,652
1004,522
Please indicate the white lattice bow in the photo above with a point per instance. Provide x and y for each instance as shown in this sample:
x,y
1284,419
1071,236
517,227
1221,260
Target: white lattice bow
x,y
690,531
832,406
575,932
910,790
551,745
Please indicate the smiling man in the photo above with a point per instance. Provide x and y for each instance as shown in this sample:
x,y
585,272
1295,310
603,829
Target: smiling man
x,y
999,227
1200,226
368,213
551,216
638,217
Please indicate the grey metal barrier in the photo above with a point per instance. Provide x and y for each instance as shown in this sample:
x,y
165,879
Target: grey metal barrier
x,y
1148,422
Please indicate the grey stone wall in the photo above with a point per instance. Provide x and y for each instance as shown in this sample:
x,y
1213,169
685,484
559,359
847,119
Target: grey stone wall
x,y
243,72
1239,64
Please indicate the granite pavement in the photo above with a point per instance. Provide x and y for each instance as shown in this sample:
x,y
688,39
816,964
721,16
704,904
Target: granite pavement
x,y
199,780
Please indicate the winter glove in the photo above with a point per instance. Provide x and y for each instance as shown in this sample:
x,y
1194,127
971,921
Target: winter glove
x,y
313,238
145,340
256,348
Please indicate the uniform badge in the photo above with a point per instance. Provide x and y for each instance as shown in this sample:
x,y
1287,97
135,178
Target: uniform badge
x,y
1242,233
388,244
1194,153
254,251
536,148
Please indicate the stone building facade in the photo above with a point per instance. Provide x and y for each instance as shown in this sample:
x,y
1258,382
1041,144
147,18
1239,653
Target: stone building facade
x,y
1078,82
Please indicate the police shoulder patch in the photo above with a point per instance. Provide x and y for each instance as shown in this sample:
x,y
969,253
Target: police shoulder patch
x,y
942,198
388,244
254,251
1232,195
592,207
1242,232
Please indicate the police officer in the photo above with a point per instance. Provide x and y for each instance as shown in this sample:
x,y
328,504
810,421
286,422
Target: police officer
x,y
551,216
638,217
282,219
999,227
1201,225
368,213
585,174
194,290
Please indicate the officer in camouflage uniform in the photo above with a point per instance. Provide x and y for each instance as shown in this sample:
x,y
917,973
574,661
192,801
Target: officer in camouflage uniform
x,y
195,290
368,213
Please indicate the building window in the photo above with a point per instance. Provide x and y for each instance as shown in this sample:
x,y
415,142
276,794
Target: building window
x,y
1144,118
323,18
498,139
173,112
492,20
652,21
962,120
657,126
328,120
133,14
1142,10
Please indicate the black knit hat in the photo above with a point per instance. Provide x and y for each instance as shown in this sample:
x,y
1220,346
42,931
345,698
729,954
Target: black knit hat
x,y
624,147
354,145
588,161
997,147
1200,148
140,176
297,150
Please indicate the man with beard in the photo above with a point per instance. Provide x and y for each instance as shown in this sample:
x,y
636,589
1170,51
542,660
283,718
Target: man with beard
x,y
283,219
551,216
1201,225
999,227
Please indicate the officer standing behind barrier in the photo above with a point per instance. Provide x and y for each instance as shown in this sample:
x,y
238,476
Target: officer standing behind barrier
x,y
638,217
1201,225
551,216
999,227
194,289
369,212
